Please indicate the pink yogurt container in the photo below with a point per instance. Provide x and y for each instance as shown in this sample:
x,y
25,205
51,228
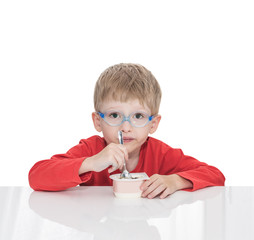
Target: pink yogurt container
x,y
128,188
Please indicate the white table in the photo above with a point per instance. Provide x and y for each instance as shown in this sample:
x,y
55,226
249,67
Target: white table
x,y
94,213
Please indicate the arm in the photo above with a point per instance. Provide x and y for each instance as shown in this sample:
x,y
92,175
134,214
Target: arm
x,y
58,173
199,173
184,173
63,171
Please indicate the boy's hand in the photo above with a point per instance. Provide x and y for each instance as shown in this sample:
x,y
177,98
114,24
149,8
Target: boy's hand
x,y
113,155
163,185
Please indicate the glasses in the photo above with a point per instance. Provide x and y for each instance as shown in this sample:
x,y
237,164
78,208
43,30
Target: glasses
x,y
116,118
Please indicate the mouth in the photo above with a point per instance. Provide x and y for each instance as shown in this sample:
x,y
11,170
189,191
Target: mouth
x,y
127,139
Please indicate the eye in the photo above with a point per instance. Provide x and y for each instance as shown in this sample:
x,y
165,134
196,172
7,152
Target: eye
x,y
139,116
114,115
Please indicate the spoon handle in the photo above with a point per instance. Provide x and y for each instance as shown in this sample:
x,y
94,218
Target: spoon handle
x,y
120,137
125,173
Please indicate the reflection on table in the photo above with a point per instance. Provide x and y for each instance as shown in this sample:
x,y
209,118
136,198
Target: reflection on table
x,y
94,213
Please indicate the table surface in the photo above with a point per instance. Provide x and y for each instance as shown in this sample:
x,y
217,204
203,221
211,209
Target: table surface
x,y
94,213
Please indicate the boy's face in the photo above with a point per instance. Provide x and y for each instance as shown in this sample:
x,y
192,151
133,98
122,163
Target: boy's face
x,y
133,137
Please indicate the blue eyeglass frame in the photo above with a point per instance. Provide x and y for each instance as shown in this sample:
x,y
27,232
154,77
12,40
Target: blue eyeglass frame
x,y
102,115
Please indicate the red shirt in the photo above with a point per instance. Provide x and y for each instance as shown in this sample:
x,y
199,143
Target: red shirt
x,y
61,171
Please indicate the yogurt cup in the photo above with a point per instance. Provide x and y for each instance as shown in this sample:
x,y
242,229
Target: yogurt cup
x,y
128,188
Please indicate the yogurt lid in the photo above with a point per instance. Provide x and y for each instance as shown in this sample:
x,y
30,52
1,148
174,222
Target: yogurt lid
x,y
136,177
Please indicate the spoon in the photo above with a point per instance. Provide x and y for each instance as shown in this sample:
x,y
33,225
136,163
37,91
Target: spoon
x,y
125,173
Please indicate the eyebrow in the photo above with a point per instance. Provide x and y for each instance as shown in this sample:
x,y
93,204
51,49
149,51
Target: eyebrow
x,y
136,111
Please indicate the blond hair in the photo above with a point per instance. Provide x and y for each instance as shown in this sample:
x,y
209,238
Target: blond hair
x,y
127,81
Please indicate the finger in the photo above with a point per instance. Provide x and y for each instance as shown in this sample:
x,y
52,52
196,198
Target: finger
x,y
150,188
120,161
117,148
156,191
124,151
114,166
166,193
147,183
117,161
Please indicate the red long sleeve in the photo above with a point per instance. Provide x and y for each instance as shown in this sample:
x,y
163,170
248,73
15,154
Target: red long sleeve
x,y
199,173
61,171
163,159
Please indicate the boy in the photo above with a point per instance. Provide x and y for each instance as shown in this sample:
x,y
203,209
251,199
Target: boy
x,y
127,98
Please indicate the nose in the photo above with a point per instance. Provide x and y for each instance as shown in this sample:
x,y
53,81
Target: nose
x,y
126,126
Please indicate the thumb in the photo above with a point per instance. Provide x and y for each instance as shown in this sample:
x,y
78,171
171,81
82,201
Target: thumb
x,y
113,168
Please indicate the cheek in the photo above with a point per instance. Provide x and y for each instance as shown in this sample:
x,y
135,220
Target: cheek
x,y
109,134
143,134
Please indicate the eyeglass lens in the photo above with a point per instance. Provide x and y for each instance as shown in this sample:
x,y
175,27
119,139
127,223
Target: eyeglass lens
x,y
136,119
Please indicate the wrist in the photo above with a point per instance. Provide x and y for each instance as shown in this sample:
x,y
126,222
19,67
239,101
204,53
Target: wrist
x,y
85,166
182,183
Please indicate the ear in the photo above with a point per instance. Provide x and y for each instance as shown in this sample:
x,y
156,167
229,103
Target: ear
x,y
96,121
155,124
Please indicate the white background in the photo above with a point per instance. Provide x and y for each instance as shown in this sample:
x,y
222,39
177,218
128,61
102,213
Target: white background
x,y
201,52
